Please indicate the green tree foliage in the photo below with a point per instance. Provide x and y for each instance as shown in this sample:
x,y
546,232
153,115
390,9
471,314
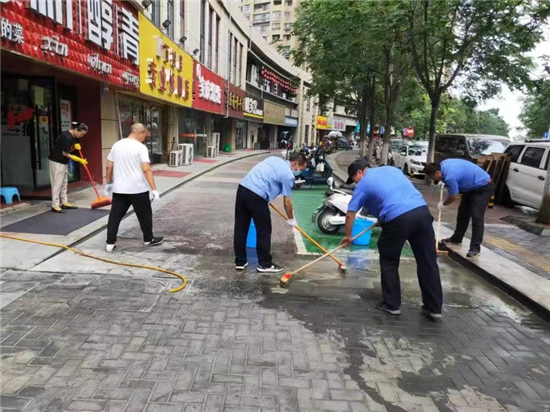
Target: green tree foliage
x,y
535,114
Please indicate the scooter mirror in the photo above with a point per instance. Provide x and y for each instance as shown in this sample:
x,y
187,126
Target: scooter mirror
x,y
330,182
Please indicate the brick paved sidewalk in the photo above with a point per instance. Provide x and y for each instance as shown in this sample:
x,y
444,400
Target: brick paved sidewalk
x,y
526,249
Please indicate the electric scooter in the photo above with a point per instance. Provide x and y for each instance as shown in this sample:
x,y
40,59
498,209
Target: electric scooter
x,y
330,217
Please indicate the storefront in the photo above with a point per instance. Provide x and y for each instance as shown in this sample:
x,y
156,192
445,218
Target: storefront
x,y
166,77
209,98
274,116
55,68
321,126
254,114
235,110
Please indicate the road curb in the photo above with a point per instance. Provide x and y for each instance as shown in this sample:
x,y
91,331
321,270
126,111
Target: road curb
x,y
102,228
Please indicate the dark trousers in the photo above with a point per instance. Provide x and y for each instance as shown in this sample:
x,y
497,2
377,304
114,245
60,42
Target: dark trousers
x,y
416,227
473,205
251,206
144,213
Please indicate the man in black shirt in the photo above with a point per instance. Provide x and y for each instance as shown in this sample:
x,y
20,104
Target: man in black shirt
x,y
59,164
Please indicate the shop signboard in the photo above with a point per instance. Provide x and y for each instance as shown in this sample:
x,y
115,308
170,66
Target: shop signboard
x,y
336,123
208,90
321,123
166,71
291,121
96,38
274,113
253,107
236,102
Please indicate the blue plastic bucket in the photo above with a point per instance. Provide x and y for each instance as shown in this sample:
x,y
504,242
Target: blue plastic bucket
x,y
251,237
359,225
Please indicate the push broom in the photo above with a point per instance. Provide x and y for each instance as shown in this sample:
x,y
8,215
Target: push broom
x,y
438,251
285,279
100,201
341,265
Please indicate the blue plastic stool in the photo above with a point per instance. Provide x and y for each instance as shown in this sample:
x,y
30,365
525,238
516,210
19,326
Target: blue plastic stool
x,y
9,193
251,237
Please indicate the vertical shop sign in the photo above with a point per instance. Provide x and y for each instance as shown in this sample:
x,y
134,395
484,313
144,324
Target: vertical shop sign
x,y
236,102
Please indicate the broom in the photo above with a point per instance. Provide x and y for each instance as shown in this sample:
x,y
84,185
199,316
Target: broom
x,y
100,201
437,238
285,279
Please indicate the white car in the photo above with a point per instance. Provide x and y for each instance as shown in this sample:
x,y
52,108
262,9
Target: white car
x,y
527,173
411,158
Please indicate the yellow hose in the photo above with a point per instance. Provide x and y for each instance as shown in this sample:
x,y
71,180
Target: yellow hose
x,y
79,252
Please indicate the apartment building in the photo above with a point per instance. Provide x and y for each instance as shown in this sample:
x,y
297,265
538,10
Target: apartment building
x,y
274,20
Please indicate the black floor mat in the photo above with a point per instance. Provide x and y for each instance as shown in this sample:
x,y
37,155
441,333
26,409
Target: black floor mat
x,y
49,223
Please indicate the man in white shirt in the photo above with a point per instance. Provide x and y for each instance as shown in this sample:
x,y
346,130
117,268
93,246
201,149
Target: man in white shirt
x,y
129,177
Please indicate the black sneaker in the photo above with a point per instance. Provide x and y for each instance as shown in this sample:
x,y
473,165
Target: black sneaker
x,y
154,242
241,267
58,210
473,253
451,241
430,314
271,269
383,306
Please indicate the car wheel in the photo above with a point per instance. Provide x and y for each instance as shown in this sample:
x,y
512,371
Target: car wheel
x,y
392,163
323,221
406,169
507,198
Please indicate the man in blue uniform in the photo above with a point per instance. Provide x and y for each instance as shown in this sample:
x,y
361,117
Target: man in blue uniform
x,y
467,178
403,215
266,181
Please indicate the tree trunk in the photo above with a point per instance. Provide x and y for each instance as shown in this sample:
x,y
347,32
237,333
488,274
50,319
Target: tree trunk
x,y
371,117
363,112
544,214
431,135
387,136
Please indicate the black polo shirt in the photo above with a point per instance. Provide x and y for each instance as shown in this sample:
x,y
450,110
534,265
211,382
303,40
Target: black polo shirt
x,y
64,143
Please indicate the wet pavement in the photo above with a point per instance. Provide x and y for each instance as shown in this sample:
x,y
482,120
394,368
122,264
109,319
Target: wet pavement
x,y
84,335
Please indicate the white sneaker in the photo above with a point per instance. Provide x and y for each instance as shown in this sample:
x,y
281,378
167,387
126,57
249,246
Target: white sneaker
x,y
110,248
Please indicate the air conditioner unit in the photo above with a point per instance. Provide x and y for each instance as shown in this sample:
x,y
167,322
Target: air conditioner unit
x,y
216,143
175,158
210,151
187,154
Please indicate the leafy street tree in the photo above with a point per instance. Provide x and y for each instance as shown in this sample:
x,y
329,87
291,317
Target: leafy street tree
x,y
484,43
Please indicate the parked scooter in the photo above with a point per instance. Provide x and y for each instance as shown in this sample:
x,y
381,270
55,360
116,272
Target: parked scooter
x,y
330,217
318,172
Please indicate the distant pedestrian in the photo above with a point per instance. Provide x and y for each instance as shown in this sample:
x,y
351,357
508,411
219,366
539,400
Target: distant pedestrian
x,y
59,157
129,177
403,216
266,181
474,183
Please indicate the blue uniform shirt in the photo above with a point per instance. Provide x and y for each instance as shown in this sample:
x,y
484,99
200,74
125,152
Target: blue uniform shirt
x,y
461,175
270,178
386,193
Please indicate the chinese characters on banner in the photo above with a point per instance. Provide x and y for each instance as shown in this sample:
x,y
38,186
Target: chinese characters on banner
x,y
98,38
166,70
253,107
236,102
207,92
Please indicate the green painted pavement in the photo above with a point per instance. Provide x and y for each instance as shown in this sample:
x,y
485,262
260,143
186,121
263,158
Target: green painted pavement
x,y
306,201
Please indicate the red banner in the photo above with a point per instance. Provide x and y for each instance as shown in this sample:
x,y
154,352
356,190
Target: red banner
x,y
236,102
97,38
409,131
208,90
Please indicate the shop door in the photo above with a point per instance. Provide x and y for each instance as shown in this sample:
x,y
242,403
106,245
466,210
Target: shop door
x,y
27,130
41,98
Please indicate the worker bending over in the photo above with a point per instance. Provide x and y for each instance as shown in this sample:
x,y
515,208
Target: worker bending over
x,y
266,181
403,215
474,183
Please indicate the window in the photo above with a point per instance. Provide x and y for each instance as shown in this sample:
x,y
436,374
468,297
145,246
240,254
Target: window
x,y
235,49
276,26
261,7
288,15
277,2
485,147
230,52
182,18
246,9
216,45
515,151
287,37
286,51
276,37
276,15
547,160
289,2
532,157
288,26
260,18
155,12
203,31
170,16
240,75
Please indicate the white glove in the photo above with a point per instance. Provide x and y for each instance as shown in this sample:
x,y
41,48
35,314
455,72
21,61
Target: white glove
x,y
109,190
156,196
441,206
291,222
441,183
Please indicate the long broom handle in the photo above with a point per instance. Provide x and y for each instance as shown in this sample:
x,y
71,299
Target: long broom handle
x,y
439,220
334,250
308,237
89,174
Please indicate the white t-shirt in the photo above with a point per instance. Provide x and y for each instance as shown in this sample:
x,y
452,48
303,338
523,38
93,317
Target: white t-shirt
x,y
127,156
